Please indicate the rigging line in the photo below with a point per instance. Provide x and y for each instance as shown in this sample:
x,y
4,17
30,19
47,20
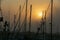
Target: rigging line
x,y
48,7
54,6
17,23
22,11
18,18
22,24
20,27
24,20
23,7
19,15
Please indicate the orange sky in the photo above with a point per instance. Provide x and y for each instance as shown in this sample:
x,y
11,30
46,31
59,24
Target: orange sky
x,y
38,5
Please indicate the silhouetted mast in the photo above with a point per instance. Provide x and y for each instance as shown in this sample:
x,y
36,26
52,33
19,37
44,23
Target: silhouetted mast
x,y
0,9
51,16
30,18
0,5
45,21
19,16
1,17
14,22
25,17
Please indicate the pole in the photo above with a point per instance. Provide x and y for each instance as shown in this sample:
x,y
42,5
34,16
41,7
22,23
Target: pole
x,y
30,18
0,8
0,5
43,24
26,17
19,16
14,22
51,16
9,18
45,21
1,16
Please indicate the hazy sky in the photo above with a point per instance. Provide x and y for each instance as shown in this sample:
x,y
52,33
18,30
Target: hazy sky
x,y
38,5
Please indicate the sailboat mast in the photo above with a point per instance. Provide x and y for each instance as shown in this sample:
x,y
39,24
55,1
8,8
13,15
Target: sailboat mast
x,y
1,16
19,16
0,9
30,18
25,17
45,21
14,23
0,5
51,16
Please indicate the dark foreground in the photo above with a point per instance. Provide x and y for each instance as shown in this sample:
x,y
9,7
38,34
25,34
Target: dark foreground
x,y
27,36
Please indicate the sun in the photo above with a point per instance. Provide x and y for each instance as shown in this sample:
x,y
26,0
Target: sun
x,y
40,14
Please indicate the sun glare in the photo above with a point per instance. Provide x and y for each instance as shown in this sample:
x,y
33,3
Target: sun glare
x,y
40,14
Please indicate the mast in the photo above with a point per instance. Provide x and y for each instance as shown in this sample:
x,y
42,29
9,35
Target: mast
x,y
14,23
19,16
30,18
0,9
0,5
1,17
51,16
25,17
45,21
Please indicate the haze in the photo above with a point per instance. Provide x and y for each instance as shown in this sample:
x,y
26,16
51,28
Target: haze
x,y
12,6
